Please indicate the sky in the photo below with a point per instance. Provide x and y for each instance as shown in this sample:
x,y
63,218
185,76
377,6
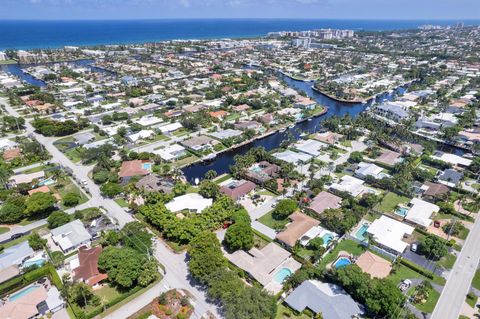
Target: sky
x,y
308,9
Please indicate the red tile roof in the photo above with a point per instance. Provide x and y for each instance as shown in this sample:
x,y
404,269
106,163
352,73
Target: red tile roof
x,y
132,168
88,268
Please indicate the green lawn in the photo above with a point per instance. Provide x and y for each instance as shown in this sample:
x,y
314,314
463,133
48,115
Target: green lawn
x,y
346,143
185,161
266,193
193,189
390,201
448,261
429,305
471,301
74,155
4,230
402,272
107,293
270,221
347,245
222,178
284,312
121,202
476,280
64,186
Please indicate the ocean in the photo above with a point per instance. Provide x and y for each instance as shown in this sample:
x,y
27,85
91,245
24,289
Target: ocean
x,y
18,34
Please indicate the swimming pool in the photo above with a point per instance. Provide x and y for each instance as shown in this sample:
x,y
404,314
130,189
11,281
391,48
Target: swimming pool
x,y
282,274
46,182
360,234
401,211
342,262
147,166
327,238
23,293
38,262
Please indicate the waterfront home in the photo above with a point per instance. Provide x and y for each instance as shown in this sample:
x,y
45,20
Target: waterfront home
x,y
390,111
71,236
300,224
327,299
191,202
310,147
389,233
171,152
85,266
236,189
305,103
261,172
452,159
369,169
328,137
200,143
292,157
224,134
155,183
248,125
325,200
450,177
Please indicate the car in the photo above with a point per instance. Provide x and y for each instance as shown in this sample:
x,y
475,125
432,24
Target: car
x,y
17,235
84,182
414,247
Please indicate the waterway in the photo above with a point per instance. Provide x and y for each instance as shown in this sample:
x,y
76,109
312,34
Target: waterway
x,y
223,161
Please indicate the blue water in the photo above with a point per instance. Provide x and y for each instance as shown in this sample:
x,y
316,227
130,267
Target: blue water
x,y
342,262
147,166
327,238
17,34
38,262
23,293
282,274
360,234
401,211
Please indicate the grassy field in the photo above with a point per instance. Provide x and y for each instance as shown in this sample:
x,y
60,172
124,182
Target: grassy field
x,y
64,186
222,178
107,293
186,161
4,230
429,305
390,201
74,155
402,272
270,221
284,312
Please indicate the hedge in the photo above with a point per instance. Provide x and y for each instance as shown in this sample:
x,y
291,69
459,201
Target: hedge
x,y
31,276
417,268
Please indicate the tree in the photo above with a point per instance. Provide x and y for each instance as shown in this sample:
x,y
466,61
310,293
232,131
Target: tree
x,y
71,199
135,236
433,247
39,204
36,242
253,302
316,243
355,157
205,256
209,189
285,208
111,189
12,210
239,236
210,174
82,294
127,267
57,219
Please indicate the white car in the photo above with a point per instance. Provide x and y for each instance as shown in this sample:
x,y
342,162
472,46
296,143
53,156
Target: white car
x,y
84,182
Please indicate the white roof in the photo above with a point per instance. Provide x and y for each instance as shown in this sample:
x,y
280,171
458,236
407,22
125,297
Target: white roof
x,y
193,201
171,152
311,147
6,143
70,235
112,130
349,184
54,300
421,211
453,159
292,157
149,120
389,233
27,178
170,127
140,135
368,169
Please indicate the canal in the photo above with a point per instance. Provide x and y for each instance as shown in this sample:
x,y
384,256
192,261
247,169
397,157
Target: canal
x,y
223,161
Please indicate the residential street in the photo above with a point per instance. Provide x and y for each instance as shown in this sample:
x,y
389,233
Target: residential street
x,y
460,278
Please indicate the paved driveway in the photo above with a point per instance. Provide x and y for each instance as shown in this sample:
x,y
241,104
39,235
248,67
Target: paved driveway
x,y
422,261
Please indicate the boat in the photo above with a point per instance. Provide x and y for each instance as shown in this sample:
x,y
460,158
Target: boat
x,y
291,126
283,130
209,157
309,119
303,134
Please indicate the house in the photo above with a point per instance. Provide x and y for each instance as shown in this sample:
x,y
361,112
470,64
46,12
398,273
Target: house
x,y
26,178
328,299
171,152
390,111
237,189
310,147
221,114
388,233
298,226
420,212
224,134
71,236
140,135
325,200
199,143
85,266
292,157
168,128
374,265
435,190
388,157
84,138
133,168
261,172
247,125
452,159
450,177
328,137
155,183
264,264
12,258
149,120
11,154
349,184
192,202
370,169
305,103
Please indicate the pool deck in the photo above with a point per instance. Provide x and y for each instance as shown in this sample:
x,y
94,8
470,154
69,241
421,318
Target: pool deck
x,y
341,253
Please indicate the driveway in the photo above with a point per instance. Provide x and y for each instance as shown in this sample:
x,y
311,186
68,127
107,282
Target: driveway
x,y
423,262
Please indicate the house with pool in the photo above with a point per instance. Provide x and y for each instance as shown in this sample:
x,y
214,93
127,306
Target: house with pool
x,y
418,212
134,168
270,265
389,234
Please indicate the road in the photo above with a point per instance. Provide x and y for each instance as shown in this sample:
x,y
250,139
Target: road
x,y
177,271
460,277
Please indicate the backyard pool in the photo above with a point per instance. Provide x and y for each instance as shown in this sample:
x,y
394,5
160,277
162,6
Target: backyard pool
x,y
401,211
23,292
46,182
360,234
327,238
147,166
37,262
282,274
342,262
